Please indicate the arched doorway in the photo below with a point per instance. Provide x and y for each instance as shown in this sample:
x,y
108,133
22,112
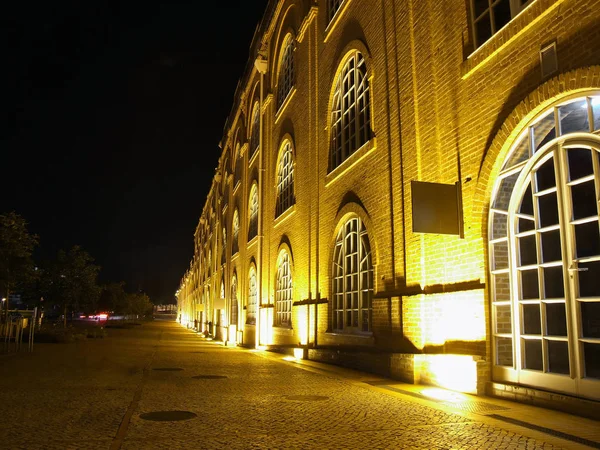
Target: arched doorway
x,y
544,246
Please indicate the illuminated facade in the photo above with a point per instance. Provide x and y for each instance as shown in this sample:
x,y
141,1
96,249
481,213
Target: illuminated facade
x,y
311,236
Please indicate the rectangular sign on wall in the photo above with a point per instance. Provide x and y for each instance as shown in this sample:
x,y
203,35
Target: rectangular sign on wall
x,y
437,208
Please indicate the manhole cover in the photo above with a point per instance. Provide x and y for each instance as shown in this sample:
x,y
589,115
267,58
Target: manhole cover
x,y
168,416
306,398
168,369
209,377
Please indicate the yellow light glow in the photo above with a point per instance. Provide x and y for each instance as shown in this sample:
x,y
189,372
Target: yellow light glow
x,y
299,353
302,325
266,328
444,395
289,358
455,372
453,317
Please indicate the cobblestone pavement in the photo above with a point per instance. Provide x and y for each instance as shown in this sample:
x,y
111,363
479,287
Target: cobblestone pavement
x,y
90,395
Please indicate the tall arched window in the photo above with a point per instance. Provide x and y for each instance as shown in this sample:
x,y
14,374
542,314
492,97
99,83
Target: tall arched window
x,y
234,301
285,179
352,278
255,137
253,212
238,164
252,297
285,81
350,110
235,233
283,292
544,247
222,288
224,250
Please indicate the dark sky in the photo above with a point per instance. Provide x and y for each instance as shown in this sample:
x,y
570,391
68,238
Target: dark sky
x,y
111,116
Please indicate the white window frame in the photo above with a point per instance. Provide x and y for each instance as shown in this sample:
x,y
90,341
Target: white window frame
x,y
285,79
252,296
283,291
253,212
352,275
235,226
255,137
285,179
516,6
350,110
333,6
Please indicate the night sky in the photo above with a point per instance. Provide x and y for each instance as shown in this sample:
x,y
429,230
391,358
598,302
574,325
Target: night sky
x,y
111,117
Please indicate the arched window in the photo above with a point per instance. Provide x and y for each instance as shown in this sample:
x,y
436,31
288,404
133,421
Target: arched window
x,y
253,212
235,233
544,247
238,164
352,278
283,292
285,179
222,288
234,301
255,137
332,8
209,263
350,114
252,297
285,81
224,249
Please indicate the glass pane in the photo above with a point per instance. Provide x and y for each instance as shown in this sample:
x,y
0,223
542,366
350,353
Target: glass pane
x,y
574,117
527,250
588,279
499,225
596,112
519,154
590,319
548,210
479,6
501,287
584,200
544,131
526,224
500,255
484,28
531,319
544,176
527,202
529,284
551,249
501,13
587,239
558,357
504,352
580,163
503,319
533,355
504,192
556,319
592,359
553,282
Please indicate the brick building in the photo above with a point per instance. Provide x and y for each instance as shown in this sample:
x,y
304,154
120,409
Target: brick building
x,y
412,187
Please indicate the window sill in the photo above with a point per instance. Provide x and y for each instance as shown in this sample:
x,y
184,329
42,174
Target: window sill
x,y
252,242
283,330
284,216
254,156
519,25
236,187
284,105
335,20
351,161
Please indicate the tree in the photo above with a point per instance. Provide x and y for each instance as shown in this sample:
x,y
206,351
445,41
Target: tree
x,y
71,281
16,247
113,297
139,304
